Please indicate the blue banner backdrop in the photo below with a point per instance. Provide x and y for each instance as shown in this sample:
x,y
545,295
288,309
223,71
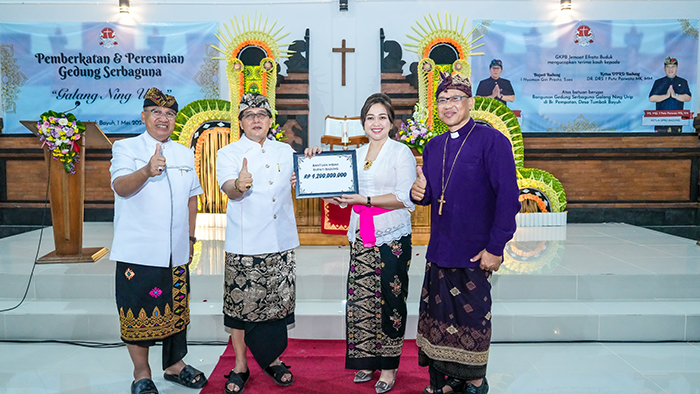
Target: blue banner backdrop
x,y
586,75
106,67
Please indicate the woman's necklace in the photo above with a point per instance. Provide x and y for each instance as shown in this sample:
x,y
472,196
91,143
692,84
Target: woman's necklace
x,y
444,157
368,163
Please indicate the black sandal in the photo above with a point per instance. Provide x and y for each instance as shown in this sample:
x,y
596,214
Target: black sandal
x,y
457,385
237,378
144,386
188,377
437,379
483,389
277,372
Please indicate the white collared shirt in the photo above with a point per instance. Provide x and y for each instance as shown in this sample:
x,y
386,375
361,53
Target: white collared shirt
x,y
153,223
393,171
262,220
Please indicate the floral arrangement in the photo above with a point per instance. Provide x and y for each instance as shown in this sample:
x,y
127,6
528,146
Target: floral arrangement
x,y
276,133
60,132
416,132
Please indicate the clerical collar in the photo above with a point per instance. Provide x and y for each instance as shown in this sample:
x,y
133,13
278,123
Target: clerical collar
x,y
455,134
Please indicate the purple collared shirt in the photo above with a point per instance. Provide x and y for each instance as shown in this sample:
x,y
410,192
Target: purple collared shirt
x,y
481,195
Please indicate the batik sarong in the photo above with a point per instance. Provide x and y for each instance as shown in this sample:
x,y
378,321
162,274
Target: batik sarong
x,y
454,322
376,304
259,298
153,302
260,287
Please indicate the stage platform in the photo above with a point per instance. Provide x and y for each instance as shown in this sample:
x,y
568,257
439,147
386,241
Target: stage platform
x,y
581,282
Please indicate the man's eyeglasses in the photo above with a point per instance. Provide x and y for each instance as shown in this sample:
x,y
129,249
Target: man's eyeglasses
x,y
453,100
159,114
252,116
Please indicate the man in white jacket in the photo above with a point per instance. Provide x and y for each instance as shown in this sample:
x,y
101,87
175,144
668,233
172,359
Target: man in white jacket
x,y
261,234
155,191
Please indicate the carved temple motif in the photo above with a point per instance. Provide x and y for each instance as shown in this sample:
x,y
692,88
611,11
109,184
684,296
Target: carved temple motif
x,y
443,47
251,49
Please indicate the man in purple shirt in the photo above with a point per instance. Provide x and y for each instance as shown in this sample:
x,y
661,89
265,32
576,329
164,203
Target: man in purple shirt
x,y
469,179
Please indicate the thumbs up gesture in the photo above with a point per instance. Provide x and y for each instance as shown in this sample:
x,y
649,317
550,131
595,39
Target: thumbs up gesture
x,y
418,188
156,166
245,178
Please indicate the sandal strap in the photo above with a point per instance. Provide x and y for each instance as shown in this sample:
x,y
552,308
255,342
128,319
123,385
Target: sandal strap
x,y
278,371
144,386
243,375
190,373
483,389
237,378
457,385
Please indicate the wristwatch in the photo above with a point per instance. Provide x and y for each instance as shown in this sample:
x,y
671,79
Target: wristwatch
x,y
193,239
369,201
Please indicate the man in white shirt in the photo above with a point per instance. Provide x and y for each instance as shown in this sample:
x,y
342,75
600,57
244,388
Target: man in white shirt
x,y
155,192
261,234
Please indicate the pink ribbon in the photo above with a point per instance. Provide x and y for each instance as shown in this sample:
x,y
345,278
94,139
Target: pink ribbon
x,y
367,215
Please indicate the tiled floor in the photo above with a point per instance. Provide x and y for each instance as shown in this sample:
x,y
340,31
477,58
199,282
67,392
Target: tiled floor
x,y
578,282
670,368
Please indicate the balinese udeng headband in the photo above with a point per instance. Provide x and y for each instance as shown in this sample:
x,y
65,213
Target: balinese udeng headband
x,y
254,100
496,62
670,60
156,98
456,81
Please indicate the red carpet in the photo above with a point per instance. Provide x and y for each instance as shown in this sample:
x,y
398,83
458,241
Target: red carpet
x,y
318,367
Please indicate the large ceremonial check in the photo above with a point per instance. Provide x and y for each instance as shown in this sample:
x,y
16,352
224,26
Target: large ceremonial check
x,y
328,174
